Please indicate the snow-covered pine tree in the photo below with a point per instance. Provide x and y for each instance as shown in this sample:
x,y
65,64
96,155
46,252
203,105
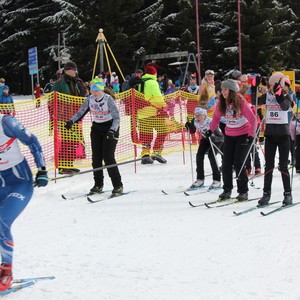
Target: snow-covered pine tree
x,y
267,34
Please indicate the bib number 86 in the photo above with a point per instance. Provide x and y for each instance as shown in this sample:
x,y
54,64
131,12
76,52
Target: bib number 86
x,y
274,114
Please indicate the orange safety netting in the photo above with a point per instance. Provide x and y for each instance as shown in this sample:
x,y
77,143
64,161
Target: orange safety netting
x,y
147,125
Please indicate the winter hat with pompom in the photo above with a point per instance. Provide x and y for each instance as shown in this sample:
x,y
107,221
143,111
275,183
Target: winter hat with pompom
x,y
276,78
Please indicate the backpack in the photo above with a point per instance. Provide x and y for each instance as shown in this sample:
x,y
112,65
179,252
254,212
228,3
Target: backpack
x,y
138,83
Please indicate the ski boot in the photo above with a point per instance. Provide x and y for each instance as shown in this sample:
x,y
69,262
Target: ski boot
x,y
242,197
5,276
264,200
224,196
288,199
117,191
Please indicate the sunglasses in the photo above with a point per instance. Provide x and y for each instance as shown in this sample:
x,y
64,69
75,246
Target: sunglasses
x,y
209,73
73,69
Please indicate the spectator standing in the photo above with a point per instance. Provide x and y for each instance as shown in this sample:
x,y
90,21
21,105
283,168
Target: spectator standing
x,y
6,99
2,83
287,90
135,81
191,104
295,136
69,84
171,102
209,78
116,85
49,85
125,85
16,186
38,93
151,117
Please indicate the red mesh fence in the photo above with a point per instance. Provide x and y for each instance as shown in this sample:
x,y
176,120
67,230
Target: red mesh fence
x,y
156,123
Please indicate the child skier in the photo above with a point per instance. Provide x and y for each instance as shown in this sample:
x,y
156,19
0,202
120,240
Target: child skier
x,y
201,123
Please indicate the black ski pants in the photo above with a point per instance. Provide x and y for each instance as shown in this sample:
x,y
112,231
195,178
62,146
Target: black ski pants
x,y
271,145
235,149
103,149
203,148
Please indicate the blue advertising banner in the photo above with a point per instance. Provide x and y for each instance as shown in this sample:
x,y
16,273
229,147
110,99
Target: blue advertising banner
x,y
33,61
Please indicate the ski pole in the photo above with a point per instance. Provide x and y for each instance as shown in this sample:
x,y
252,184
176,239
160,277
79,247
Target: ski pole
x,y
191,157
213,150
216,147
80,141
97,169
249,150
132,143
294,148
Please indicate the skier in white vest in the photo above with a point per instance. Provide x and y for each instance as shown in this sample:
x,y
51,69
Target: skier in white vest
x,y
17,185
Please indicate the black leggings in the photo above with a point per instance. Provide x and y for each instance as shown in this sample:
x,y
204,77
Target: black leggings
x,y
271,144
203,148
234,153
103,149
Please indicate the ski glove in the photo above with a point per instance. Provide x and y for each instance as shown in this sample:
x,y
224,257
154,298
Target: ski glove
x,y
110,134
278,92
188,125
41,178
249,139
208,133
69,124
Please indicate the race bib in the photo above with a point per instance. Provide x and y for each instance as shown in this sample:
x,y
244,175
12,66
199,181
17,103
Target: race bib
x,y
276,117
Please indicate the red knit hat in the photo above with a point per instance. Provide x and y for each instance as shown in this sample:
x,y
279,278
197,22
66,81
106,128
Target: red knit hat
x,y
150,70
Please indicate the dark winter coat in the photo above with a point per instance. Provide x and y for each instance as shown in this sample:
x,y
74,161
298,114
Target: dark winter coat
x,y
277,129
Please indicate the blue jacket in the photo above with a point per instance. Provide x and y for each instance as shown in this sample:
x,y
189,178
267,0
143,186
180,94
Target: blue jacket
x,y
6,99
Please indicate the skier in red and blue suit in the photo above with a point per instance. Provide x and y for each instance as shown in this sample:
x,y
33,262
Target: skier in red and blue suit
x,y
17,184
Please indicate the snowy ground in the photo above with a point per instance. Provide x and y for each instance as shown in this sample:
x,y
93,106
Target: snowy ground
x,y
149,246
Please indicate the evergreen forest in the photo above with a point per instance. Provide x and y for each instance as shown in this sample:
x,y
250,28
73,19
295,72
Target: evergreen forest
x,y
269,31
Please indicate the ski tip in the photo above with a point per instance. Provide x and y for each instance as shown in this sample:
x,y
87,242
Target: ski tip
x,y
207,205
50,277
64,197
262,213
42,278
186,193
235,213
164,192
89,199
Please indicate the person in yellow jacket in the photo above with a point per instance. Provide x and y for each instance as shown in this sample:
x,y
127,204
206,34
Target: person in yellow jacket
x,y
152,116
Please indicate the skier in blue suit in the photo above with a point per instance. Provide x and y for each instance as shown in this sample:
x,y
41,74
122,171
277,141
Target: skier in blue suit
x,y
17,184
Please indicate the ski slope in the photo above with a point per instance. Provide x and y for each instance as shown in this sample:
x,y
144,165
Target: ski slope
x,y
151,246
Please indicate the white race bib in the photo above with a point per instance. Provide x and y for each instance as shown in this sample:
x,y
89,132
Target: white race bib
x,y
274,116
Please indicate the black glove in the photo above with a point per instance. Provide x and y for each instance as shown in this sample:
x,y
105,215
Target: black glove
x,y
249,140
208,133
41,178
69,124
110,134
278,92
188,125
277,88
